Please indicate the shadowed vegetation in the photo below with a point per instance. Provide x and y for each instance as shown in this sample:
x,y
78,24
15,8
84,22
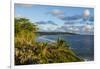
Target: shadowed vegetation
x,y
30,51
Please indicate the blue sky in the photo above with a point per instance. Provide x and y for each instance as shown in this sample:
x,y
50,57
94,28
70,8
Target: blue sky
x,y
56,16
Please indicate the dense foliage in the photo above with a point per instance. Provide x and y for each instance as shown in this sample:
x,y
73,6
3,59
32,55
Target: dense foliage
x,y
30,51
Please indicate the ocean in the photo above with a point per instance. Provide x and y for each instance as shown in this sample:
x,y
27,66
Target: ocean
x,y
82,45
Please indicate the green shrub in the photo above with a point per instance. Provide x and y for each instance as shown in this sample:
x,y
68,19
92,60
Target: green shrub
x,y
29,51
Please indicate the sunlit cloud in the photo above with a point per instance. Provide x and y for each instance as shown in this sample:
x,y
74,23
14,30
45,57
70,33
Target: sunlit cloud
x,y
86,13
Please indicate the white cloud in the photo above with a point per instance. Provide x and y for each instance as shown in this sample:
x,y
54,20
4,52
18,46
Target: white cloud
x,y
47,27
56,12
72,28
86,13
88,28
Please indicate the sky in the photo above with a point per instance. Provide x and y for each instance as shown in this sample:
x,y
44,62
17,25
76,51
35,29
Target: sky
x,y
58,18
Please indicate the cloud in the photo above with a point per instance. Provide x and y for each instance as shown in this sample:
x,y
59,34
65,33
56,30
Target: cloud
x,y
72,28
86,12
56,12
47,27
79,18
88,28
75,17
91,18
62,17
66,18
46,22
41,22
76,28
20,16
51,22
69,22
68,28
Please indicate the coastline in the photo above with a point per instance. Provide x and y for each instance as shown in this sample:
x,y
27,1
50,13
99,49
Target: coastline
x,y
44,38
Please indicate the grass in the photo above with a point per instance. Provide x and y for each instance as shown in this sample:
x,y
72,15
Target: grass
x,y
30,51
